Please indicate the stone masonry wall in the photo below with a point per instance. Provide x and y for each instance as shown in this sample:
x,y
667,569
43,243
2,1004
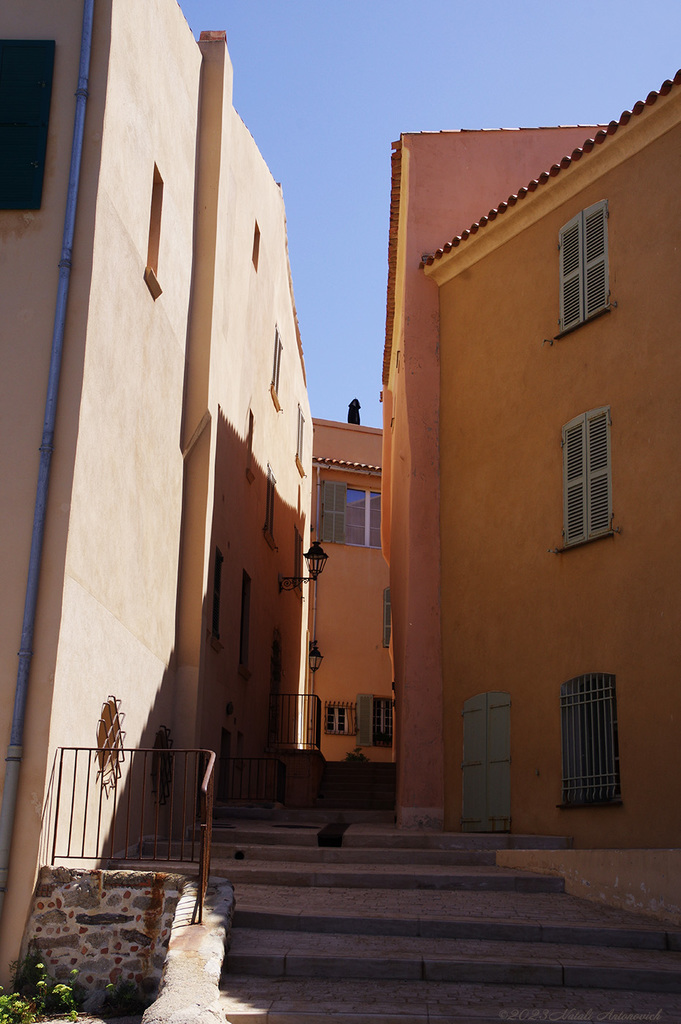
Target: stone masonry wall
x,y
111,926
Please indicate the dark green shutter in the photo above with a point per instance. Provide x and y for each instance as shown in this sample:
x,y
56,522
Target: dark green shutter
x,y
25,91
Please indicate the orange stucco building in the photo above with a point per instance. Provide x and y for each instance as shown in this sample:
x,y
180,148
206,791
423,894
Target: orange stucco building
x,y
530,437
349,613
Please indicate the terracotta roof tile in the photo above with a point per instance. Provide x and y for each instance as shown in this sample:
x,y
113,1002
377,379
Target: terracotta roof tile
x,y
577,154
323,460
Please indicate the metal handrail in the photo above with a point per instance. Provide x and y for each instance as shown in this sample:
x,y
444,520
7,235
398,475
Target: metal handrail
x,y
108,804
206,831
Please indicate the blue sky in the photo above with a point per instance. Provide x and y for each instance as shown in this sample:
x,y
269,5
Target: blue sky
x,y
325,86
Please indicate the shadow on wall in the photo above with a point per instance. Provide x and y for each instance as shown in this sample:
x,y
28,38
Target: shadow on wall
x,y
241,642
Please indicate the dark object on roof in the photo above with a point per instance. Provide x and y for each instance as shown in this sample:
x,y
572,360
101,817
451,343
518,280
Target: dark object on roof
x,y
353,411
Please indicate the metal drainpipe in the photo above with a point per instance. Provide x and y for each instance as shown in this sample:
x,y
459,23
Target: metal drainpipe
x,y
15,748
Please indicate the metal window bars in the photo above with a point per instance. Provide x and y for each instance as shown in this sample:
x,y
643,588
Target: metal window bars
x,y
590,748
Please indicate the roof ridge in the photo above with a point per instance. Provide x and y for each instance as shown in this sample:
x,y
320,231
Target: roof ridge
x,y
588,145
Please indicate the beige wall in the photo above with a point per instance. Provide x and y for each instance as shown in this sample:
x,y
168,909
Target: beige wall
x,y
346,613
245,313
644,881
442,182
517,617
153,405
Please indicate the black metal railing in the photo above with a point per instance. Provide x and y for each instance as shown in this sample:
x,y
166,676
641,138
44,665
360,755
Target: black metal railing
x,y
261,779
125,804
295,721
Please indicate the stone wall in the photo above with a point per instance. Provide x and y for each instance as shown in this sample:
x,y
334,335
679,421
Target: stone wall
x,y
111,926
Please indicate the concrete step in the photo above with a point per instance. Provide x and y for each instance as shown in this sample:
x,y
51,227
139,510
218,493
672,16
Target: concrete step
x,y
281,954
250,1000
636,935
346,855
380,876
302,828
225,814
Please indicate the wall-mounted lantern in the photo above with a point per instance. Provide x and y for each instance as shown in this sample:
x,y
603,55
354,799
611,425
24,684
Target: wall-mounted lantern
x,y
316,560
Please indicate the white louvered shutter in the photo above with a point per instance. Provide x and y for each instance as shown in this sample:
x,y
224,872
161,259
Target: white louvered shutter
x,y
571,299
598,471
596,290
365,713
574,481
333,512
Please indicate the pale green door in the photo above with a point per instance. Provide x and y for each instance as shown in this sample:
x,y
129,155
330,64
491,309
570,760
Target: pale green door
x,y
487,763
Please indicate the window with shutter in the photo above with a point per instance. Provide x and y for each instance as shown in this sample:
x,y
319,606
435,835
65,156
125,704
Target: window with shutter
x,y
587,489
333,512
25,92
584,280
365,708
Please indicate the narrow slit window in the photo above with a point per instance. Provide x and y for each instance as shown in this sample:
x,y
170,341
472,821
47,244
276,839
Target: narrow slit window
x,y
269,504
217,582
244,631
151,271
256,245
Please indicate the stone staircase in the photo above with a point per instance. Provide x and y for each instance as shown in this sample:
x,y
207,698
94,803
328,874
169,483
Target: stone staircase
x,y
421,927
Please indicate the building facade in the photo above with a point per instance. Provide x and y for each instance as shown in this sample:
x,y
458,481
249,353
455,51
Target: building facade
x,y
180,470
350,603
558,621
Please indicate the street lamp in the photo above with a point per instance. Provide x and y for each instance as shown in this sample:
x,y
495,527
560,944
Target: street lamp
x,y
315,656
316,560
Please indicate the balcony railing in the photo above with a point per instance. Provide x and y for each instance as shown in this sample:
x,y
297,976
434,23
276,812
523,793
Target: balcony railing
x,y
124,804
295,721
252,779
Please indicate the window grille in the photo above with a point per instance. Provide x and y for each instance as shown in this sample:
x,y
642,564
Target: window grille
x,y
110,737
591,772
339,718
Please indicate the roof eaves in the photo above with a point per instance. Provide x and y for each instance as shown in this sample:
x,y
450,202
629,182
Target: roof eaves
x,y
586,148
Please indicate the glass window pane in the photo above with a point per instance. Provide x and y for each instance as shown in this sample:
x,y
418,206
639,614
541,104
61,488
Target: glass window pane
x,y
355,516
375,520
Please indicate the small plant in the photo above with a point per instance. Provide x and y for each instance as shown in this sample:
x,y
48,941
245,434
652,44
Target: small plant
x,y
356,755
124,999
36,993
14,1009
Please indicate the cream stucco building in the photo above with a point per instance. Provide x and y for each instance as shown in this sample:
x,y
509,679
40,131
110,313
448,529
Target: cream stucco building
x,y
180,477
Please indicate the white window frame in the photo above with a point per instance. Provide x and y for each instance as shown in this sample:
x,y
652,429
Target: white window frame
x,y
339,718
587,477
374,716
372,522
584,273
